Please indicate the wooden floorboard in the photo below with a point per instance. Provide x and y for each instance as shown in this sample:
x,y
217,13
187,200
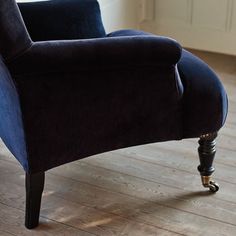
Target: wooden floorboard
x,y
128,204
60,205
12,223
146,190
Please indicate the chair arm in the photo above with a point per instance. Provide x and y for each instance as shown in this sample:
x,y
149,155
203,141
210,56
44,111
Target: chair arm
x,y
103,94
89,91
74,55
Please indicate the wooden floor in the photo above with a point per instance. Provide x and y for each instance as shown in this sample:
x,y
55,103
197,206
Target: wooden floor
x,y
147,190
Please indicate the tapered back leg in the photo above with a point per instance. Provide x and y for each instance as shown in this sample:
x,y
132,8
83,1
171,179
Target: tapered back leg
x,y
34,184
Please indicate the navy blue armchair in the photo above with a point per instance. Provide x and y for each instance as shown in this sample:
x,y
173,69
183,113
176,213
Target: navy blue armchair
x,y
68,91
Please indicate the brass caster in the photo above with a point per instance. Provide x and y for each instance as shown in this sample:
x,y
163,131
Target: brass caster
x,y
214,187
208,183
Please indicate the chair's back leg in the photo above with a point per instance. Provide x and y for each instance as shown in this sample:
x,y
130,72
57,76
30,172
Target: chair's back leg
x,y
34,184
207,150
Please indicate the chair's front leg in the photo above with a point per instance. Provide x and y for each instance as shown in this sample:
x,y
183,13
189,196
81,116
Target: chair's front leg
x,y
207,150
34,184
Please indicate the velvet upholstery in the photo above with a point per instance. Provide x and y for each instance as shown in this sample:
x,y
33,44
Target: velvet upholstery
x,y
86,92
62,19
83,98
205,101
14,38
11,125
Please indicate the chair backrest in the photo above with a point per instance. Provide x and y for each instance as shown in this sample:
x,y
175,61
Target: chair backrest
x,y
62,19
14,37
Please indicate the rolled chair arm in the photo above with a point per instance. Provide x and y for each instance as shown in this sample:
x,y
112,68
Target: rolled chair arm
x,y
105,52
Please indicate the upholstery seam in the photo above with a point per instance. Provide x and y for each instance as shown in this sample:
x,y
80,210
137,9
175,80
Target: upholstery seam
x,y
19,54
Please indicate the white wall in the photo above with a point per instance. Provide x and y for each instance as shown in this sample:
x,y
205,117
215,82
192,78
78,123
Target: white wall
x,y
119,14
201,24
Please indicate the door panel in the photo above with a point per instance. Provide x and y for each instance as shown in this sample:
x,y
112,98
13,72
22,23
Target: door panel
x,y
211,14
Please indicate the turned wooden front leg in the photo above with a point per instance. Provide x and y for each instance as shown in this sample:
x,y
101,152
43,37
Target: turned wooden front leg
x,y
207,151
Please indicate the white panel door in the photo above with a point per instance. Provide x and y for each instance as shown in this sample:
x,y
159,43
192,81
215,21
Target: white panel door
x,y
201,24
211,14
172,12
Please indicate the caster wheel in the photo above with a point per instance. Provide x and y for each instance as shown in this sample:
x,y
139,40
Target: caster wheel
x,y
214,187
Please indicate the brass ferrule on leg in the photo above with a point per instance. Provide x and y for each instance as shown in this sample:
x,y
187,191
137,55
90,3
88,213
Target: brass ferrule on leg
x,y
206,180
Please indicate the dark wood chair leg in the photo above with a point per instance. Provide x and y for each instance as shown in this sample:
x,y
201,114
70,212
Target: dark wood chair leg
x,y
34,184
207,150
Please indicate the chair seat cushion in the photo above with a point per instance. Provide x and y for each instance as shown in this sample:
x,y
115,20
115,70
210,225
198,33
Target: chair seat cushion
x,y
204,100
